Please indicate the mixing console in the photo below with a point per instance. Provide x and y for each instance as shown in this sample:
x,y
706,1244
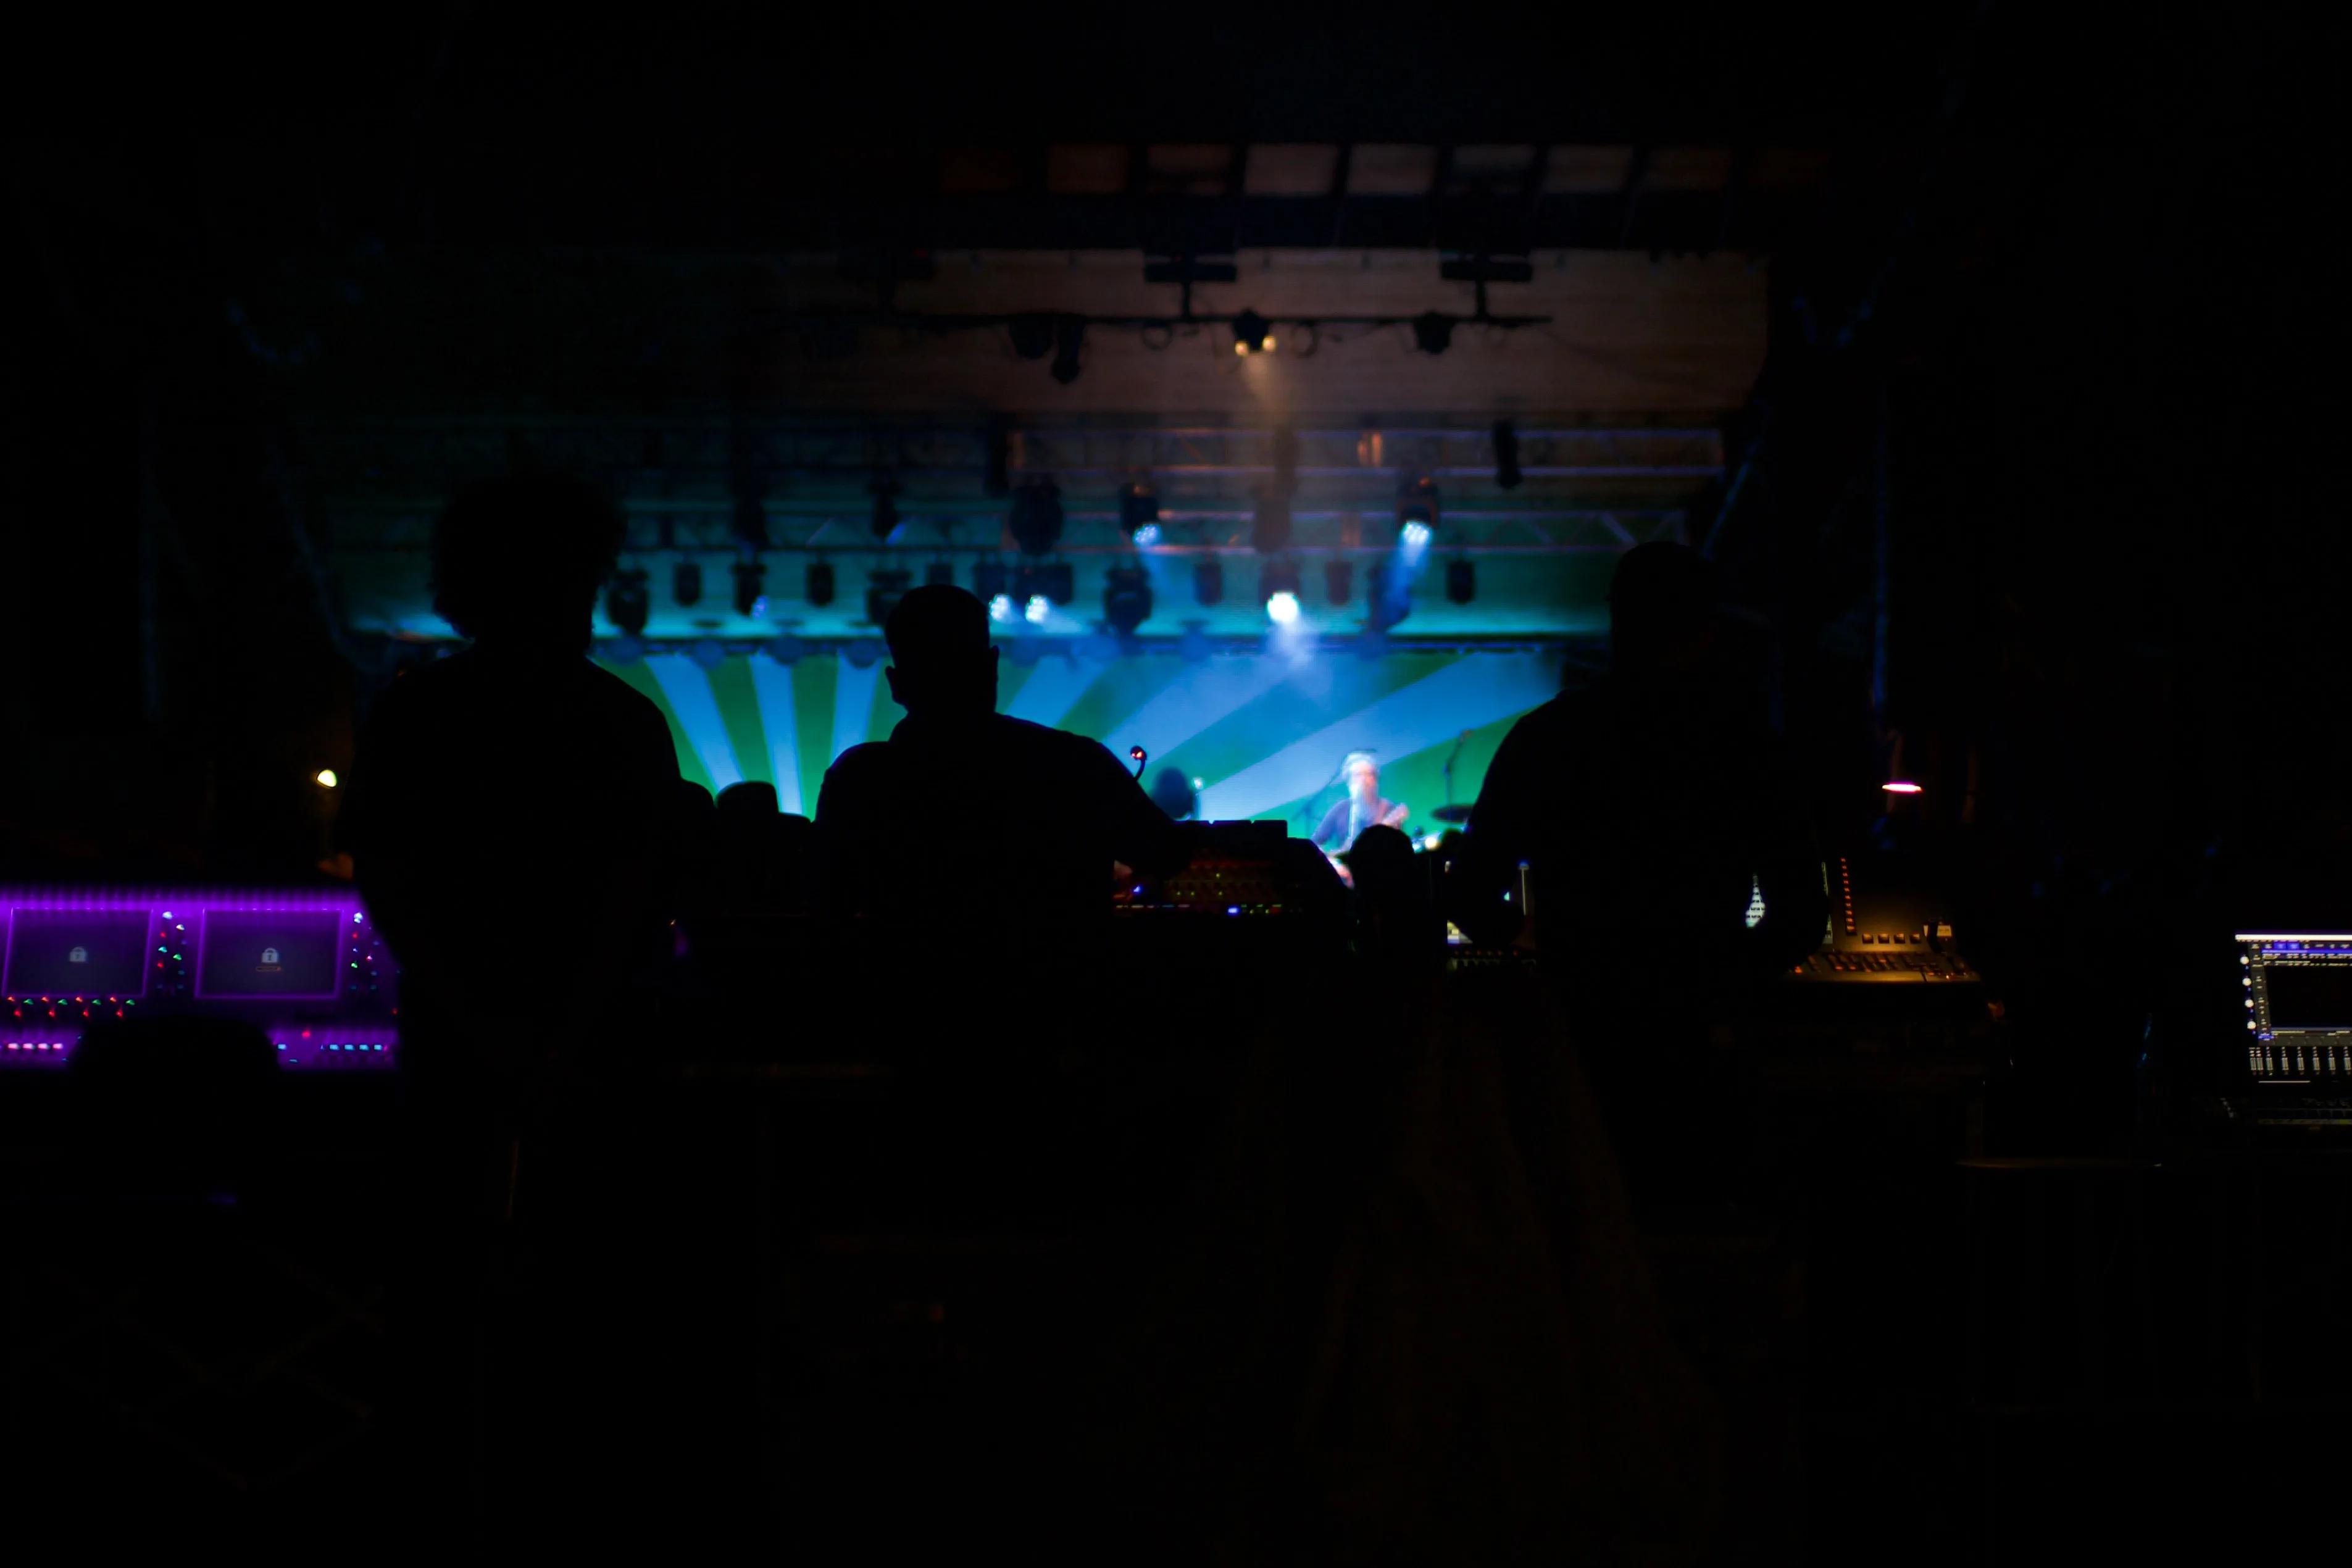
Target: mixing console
x,y
305,966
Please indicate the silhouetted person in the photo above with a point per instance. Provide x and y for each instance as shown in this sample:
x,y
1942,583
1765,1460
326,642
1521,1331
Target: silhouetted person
x,y
968,829
511,812
1649,809
1401,918
511,804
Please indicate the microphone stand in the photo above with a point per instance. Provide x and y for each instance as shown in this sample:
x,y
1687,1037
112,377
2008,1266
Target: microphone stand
x,y
1459,741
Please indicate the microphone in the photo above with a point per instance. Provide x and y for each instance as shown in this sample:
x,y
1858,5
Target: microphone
x,y
1138,755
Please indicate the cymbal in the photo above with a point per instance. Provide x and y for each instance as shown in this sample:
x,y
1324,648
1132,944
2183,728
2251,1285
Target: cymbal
x,y
1452,814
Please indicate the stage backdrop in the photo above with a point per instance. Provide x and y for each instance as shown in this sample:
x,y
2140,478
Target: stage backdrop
x,y
1264,732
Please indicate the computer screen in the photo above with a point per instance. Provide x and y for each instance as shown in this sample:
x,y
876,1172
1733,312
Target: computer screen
x,y
2297,992
77,952
252,952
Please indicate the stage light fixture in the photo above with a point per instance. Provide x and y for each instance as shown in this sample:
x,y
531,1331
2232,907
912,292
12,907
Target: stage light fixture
x,y
1460,581
1506,456
883,589
1416,511
1209,582
1432,331
863,653
885,520
1037,609
325,778
1279,579
1036,520
751,594
1033,333
991,581
819,583
1126,598
787,649
1339,581
1069,338
1052,581
628,601
1270,524
623,649
686,584
1139,514
1253,333
1282,609
709,654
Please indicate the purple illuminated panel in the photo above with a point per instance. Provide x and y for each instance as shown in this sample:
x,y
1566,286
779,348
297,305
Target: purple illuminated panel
x,y
275,954
305,964
77,952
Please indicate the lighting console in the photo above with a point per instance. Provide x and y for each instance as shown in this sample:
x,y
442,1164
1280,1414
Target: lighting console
x,y
305,966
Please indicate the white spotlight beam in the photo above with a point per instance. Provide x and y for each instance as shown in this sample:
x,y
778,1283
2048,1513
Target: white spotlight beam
x,y
688,688
771,685
1053,688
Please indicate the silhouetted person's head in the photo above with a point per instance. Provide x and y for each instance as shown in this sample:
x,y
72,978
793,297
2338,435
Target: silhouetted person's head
x,y
517,560
748,800
940,658
1381,860
1662,609
1172,792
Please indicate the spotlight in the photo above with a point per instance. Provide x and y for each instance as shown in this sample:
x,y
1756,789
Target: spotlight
x,y
883,589
1279,579
1126,598
991,580
1209,582
627,601
685,583
1036,516
1432,331
1253,333
1417,510
1339,581
1033,333
1069,337
710,653
819,585
751,597
326,779
940,575
1270,527
1138,513
1052,581
1000,609
1507,456
1460,581
786,650
1900,786
863,653
885,522
1282,609
1036,610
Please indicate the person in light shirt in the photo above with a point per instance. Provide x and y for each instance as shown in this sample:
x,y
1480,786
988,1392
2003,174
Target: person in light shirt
x,y
1336,834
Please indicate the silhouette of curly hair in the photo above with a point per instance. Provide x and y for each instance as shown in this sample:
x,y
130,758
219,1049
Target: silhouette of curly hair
x,y
520,557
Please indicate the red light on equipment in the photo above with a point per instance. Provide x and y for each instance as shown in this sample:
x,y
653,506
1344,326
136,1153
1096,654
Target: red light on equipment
x,y
1900,787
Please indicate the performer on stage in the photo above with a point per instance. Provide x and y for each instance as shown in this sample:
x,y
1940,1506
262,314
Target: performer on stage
x,y
1364,807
